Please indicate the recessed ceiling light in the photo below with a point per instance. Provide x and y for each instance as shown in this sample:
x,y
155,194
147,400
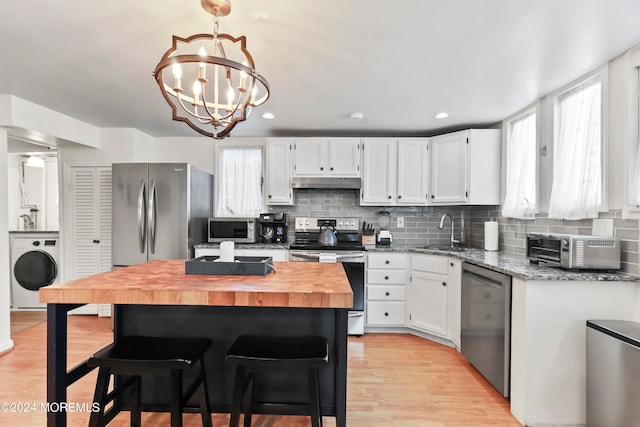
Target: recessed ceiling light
x,y
442,115
357,116
268,116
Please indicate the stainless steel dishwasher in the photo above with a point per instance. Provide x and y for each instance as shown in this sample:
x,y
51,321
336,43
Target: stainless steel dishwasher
x,y
485,334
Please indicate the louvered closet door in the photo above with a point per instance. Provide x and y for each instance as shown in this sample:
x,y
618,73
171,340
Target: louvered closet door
x,y
91,220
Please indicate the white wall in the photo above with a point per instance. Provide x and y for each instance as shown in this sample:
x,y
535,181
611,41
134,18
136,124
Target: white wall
x,y
5,279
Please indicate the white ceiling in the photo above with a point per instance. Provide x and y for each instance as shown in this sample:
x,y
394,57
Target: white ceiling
x,y
398,62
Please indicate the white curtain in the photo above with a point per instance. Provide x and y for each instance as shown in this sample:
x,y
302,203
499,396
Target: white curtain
x,y
634,190
520,197
240,186
576,192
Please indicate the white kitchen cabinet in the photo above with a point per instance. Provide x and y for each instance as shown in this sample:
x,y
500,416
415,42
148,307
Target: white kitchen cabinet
x,y
324,157
465,168
279,168
275,254
395,172
386,289
434,296
413,172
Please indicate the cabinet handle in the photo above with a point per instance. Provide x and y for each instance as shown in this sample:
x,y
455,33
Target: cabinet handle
x,y
386,277
96,241
331,168
433,197
444,283
386,262
451,264
389,197
399,197
386,293
269,195
386,314
321,168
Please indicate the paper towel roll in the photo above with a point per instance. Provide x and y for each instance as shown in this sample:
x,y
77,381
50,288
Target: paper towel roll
x,y
226,252
491,235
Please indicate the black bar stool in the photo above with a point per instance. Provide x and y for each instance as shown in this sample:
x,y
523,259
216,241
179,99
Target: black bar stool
x,y
252,353
134,356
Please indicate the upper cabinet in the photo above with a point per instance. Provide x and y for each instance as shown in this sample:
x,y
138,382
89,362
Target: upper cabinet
x,y
322,157
395,171
279,156
465,168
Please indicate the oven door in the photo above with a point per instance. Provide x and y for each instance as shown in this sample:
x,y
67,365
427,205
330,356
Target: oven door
x,y
354,266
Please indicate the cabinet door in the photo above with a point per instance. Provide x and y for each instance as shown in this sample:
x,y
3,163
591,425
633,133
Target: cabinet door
x,y
344,157
413,172
90,219
454,294
449,168
310,157
279,190
379,162
428,302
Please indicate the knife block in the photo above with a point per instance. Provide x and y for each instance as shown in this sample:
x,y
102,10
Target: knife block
x,y
369,240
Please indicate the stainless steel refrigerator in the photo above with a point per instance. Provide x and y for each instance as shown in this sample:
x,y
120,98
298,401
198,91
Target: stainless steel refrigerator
x,y
159,211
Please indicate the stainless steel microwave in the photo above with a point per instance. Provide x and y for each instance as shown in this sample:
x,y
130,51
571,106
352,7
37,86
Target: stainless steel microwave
x,y
241,230
574,251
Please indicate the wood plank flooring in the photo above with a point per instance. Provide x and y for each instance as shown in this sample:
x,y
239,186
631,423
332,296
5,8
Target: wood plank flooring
x,y
394,380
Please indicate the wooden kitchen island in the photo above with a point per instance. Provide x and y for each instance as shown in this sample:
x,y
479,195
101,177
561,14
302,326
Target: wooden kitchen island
x,y
158,298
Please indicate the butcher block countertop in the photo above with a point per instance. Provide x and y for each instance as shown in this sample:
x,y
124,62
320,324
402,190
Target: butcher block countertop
x,y
294,284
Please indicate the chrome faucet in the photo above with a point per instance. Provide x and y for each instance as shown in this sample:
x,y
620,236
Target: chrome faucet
x,y
441,226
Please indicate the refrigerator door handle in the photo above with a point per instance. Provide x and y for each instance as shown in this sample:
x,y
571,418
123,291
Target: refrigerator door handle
x,y
152,216
142,224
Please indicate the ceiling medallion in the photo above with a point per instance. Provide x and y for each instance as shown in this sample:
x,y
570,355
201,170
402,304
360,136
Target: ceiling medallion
x,y
196,76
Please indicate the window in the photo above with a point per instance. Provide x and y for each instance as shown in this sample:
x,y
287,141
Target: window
x,y
240,182
576,191
521,190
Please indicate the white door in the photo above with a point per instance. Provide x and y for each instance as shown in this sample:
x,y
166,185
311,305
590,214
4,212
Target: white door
x,y
449,168
429,303
90,219
279,190
310,157
413,172
379,163
344,157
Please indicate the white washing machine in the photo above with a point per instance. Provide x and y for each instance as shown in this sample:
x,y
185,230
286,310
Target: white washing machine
x,y
34,264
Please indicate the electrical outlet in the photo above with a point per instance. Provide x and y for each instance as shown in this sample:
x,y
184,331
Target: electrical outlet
x,y
400,222
602,227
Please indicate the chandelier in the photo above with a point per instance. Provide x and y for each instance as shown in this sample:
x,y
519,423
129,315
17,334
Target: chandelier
x,y
204,87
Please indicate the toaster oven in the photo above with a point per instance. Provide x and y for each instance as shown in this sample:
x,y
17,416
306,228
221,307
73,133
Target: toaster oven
x,y
574,251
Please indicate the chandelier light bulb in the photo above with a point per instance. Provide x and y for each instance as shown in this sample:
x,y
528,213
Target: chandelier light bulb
x,y
176,69
197,88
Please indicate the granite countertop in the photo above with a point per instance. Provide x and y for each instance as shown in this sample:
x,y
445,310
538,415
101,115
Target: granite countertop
x,y
294,284
515,265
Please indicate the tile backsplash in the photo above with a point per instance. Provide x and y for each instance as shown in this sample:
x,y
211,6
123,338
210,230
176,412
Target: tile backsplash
x,y
420,223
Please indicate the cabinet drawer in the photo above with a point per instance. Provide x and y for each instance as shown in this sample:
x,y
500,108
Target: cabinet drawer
x,y
388,293
386,313
396,277
387,260
430,263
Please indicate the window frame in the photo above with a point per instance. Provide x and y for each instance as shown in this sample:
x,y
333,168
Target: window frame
x,y
239,144
603,74
507,125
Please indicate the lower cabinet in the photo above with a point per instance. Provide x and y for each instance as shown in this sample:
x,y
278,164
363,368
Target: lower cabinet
x,y
386,289
434,296
275,254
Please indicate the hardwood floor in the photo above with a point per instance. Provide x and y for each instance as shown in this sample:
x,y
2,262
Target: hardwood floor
x,y
394,380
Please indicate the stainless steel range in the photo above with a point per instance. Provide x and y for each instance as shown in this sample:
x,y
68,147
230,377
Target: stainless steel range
x,y
347,250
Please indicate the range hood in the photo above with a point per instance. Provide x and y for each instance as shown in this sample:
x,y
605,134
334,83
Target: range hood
x,y
327,183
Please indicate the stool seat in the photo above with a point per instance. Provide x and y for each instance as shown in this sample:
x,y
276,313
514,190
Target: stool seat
x,y
258,349
258,353
134,356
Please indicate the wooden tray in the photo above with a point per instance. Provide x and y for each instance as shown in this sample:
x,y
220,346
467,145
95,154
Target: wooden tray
x,y
243,265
